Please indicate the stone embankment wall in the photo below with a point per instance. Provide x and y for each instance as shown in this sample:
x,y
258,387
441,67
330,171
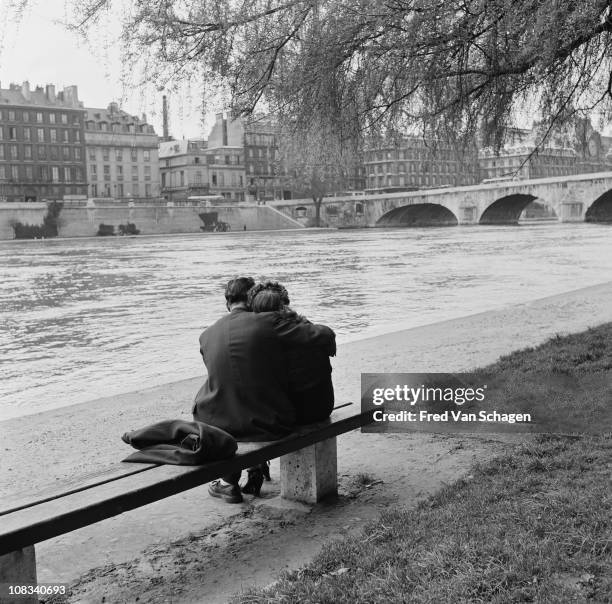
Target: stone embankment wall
x,y
83,218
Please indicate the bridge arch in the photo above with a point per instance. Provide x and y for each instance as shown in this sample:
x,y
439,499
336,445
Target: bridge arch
x,y
418,215
601,209
507,209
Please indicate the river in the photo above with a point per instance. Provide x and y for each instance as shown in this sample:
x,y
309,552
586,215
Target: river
x,y
87,318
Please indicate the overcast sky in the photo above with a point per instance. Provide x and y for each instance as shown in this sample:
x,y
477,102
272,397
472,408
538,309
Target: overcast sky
x,y
39,49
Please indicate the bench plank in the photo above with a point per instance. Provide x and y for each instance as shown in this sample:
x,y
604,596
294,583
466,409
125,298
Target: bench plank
x,y
80,508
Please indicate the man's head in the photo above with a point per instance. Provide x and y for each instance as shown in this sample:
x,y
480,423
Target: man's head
x,y
237,290
268,296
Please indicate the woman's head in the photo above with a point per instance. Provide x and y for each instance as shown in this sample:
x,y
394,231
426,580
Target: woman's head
x,y
268,297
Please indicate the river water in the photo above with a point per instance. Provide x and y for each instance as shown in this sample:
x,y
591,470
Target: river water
x,y
81,319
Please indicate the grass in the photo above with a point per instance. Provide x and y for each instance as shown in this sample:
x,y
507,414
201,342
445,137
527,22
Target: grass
x,y
533,525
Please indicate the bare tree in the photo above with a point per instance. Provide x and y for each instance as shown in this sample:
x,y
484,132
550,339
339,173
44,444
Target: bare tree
x,y
450,68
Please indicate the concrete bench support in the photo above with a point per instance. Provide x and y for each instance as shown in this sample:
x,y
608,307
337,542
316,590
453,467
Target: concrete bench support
x,y
19,568
310,474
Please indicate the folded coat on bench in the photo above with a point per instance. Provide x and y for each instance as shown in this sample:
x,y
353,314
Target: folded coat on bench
x,y
180,443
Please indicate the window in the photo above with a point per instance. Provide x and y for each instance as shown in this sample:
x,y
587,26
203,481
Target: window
x,y
55,174
27,151
11,115
1,133
12,132
78,173
39,117
93,169
163,179
134,172
105,154
67,174
147,172
52,118
53,135
119,172
66,153
65,136
2,172
1,151
40,134
118,155
14,151
107,190
29,173
120,189
94,190
43,173
147,155
147,190
92,154
106,172
15,172
182,178
26,116
27,134
134,155
77,136
64,118
198,177
42,152
54,153
77,153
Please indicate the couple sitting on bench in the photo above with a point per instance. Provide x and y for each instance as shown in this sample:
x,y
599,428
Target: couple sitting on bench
x,y
268,372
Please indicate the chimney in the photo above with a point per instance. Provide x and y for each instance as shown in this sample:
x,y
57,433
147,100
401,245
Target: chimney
x,y
71,96
144,118
113,108
166,134
50,92
25,91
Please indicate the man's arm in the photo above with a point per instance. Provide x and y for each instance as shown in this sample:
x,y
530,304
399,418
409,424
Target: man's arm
x,y
304,333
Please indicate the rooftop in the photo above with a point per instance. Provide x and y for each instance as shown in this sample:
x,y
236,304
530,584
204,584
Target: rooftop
x,y
24,95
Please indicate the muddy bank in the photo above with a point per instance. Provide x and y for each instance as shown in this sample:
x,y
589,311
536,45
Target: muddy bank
x,y
51,448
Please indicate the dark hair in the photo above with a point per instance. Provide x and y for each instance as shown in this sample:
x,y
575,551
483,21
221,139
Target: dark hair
x,y
268,296
266,300
237,290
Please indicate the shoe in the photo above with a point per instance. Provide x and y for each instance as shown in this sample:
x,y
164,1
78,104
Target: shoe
x,y
230,493
254,482
265,468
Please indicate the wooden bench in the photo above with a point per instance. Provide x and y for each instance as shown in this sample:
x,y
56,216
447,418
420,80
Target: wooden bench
x,y
308,468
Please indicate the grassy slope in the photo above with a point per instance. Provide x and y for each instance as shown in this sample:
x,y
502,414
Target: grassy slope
x,y
533,525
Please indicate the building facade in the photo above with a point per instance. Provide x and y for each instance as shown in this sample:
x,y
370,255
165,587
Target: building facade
x,y
226,158
575,148
262,163
122,155
42,143
415,163
184,169
526,161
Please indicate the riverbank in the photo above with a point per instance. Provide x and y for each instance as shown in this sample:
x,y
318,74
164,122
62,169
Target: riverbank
x,y
57,446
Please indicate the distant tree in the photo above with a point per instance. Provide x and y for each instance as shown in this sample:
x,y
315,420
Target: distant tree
x,y
447,68
314,163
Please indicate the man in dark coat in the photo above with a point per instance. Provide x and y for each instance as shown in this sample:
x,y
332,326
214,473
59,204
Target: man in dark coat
x,y
246,392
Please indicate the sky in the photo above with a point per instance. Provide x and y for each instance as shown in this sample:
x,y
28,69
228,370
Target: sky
x,y
38,48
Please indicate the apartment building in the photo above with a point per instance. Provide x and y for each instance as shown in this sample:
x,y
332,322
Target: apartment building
x,y
414,163
184,169
122,155
42,146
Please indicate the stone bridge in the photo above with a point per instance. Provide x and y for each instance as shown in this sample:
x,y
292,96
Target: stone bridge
x,y
579,198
